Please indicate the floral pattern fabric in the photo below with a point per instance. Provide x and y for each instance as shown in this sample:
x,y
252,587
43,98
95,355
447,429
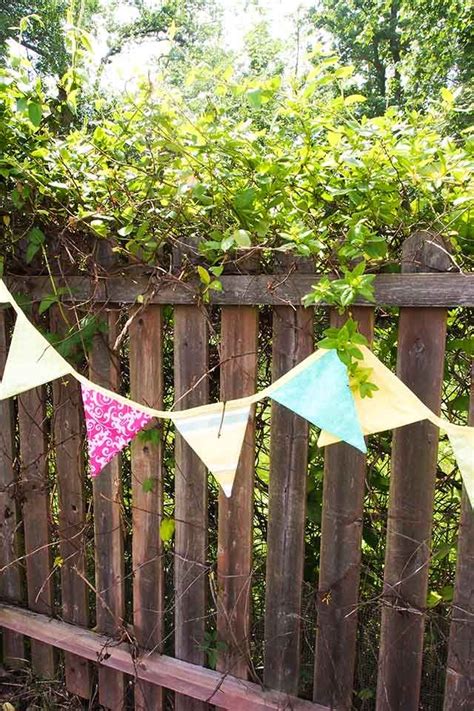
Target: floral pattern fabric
x,y
110,426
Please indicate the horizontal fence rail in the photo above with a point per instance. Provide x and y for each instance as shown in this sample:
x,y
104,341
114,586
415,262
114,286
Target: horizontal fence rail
x,y
440,290
223,690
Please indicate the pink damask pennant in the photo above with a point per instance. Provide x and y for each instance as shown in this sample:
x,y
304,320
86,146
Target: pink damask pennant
x,y
110,425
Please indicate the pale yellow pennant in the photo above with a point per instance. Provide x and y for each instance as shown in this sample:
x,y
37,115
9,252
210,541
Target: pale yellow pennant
x,y
31,360
216,433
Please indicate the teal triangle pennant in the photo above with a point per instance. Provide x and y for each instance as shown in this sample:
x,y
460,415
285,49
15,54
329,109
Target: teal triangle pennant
x,y
321,394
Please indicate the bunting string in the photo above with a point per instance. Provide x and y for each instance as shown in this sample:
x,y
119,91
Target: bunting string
x,y
317,389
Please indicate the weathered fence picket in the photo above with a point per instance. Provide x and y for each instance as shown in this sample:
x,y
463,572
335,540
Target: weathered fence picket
x,y
191,385
108,529
420,364
146,386
10,577
292,341
32,424
339,572
459,691
239,340
68,437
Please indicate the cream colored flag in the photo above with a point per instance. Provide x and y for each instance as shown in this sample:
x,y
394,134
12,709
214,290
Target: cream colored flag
x,y
392,405
462,442
216,433
5,296
395,405
31,360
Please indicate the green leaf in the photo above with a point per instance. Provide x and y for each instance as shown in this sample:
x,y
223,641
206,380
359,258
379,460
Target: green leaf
x,y
204,275
244,199
354,99
35,113
254,97
167,527
227,243
21,104
147,485
100,227
124,231
242,238
447,96
433,599
35,239
47,302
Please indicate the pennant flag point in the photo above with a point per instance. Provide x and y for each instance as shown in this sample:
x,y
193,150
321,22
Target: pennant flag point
x,y
321,394
31,361
216,433
5,296
110,426
462,442
392,405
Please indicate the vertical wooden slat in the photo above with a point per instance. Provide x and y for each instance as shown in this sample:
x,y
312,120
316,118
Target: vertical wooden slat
x,y
420,364
146,386
108,533
459,691
191,390
292,342
340,556
69,447
10,579
239,339
35,514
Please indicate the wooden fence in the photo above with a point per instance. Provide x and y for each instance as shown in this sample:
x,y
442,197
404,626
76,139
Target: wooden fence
x,y
120,639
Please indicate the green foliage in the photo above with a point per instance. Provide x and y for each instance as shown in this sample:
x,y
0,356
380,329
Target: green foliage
x,y
345,341
167,527
39,28
343,292
405,51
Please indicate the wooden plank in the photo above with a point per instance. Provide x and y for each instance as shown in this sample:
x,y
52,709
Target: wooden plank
x,y
239,342
417,290
35,514
340,557
420,364
10,577
292,342
108,531
223,690
459,690
146,386
190,579
69,448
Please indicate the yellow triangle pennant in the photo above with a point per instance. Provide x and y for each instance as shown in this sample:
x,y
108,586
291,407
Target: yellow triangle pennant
x,y
31,360
392,405
5,296
216,433
462,442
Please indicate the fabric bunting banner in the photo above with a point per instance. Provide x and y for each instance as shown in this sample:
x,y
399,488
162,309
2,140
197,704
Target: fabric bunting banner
x,y
216,433
394,405
316,389
110,426
32,361
321,394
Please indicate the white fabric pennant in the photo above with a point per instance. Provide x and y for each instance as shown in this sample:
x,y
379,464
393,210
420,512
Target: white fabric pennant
x,y
216,434
5,296
31,360
462,442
